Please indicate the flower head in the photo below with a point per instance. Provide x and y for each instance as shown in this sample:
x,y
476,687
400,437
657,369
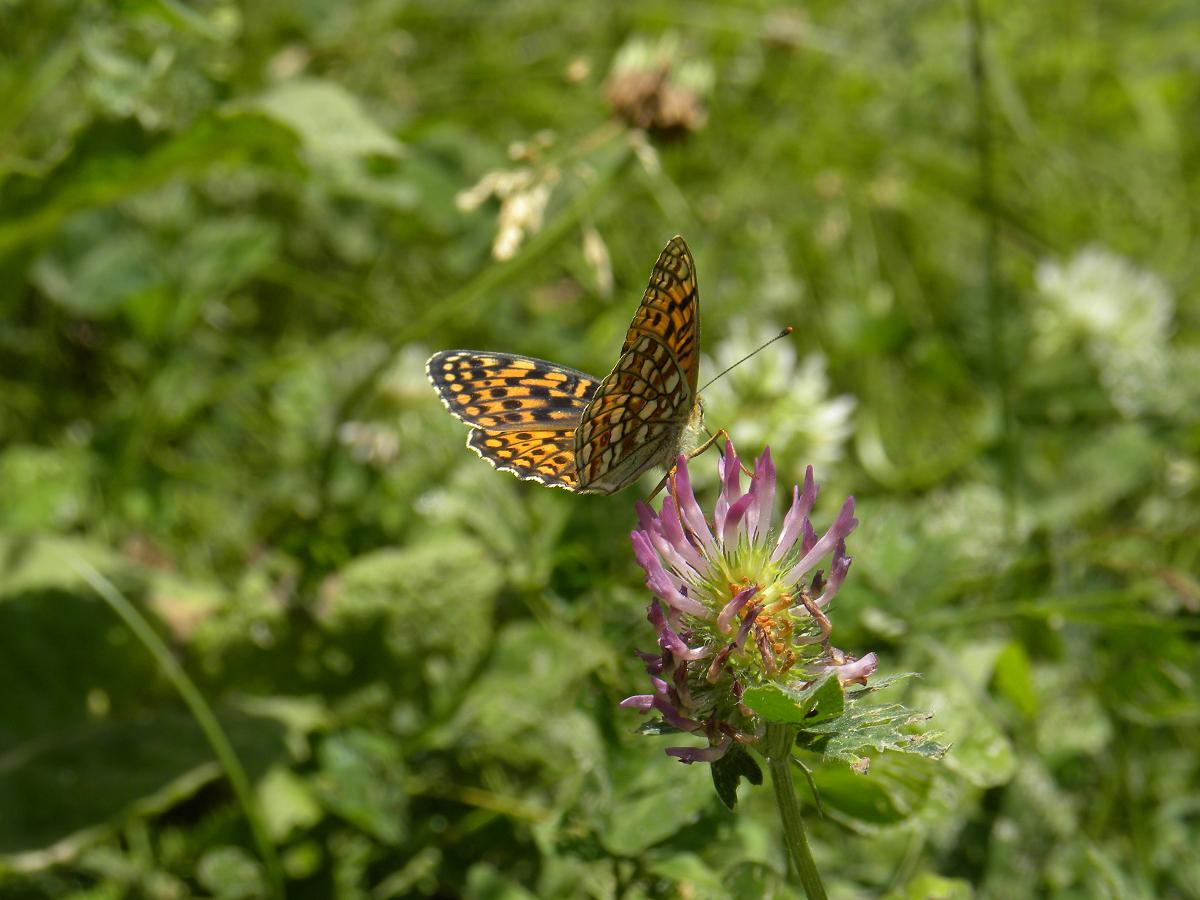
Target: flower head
x,y
737,602
652,86
1122,314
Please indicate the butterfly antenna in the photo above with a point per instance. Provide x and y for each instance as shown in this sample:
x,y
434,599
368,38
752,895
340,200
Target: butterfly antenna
x,y
755,352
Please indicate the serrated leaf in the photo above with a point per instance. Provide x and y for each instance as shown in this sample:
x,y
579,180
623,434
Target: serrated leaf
x,y
880,728
879,684
820,701
728,771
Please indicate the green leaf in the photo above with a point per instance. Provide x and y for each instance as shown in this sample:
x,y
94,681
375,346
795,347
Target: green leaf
x,y
1013,678
231,873
329,120
521,707
908,445
728,771
879,684
112,174
72,783
690,875
486,882
931,886
891,791
420,615
1072,476
44,488
361,779
109,270
288,803
864,727
820,701
655,797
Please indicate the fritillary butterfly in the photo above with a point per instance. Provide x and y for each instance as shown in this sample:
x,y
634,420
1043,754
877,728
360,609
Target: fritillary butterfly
x,y
560,427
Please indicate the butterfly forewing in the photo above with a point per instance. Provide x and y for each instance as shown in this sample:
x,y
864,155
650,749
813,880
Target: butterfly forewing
x,y
639,412
670,311
502,391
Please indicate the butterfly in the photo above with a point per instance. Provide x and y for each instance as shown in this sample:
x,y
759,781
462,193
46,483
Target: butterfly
x,y
563,428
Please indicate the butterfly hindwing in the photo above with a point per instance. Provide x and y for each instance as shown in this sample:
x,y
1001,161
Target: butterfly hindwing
x,y
543,455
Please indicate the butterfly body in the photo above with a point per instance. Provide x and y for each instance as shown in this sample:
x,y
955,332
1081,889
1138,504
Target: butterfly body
x,y
563,428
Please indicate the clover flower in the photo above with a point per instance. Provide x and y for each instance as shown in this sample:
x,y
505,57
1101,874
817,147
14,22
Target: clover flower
x,y
652,86
737,603
790,395
1122,314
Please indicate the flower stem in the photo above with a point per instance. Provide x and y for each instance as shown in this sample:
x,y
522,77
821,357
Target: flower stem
x,y
779,755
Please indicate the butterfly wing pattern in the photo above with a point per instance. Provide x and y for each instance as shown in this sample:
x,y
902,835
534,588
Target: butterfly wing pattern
x,y
639,412
523,411
563,428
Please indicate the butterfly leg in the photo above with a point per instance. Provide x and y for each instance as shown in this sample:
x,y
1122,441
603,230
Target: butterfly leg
x,y
697,451
658,487
712,439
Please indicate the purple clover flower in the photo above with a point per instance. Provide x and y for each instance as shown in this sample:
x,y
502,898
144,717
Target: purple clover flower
x,y
737,603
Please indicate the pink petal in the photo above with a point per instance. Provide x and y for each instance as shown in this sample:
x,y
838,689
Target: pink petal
x,y
691,755
737,512
733,607
841,527
793,522
858,671
689,509
664,586
673,531
762,489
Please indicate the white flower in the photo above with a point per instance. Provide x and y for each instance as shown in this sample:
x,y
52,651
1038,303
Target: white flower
x,y
777,398
1121,314
523,195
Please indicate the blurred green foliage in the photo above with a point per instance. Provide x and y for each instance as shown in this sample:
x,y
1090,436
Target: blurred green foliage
x,y
229,238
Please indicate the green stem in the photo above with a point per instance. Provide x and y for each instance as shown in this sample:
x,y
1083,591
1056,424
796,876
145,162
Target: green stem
x,y
998,305
200,711
779,756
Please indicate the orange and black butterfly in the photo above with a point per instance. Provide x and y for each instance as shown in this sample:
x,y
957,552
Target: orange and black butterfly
x,y
563,428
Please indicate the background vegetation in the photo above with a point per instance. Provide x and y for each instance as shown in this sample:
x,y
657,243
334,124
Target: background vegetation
x,y
231,234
